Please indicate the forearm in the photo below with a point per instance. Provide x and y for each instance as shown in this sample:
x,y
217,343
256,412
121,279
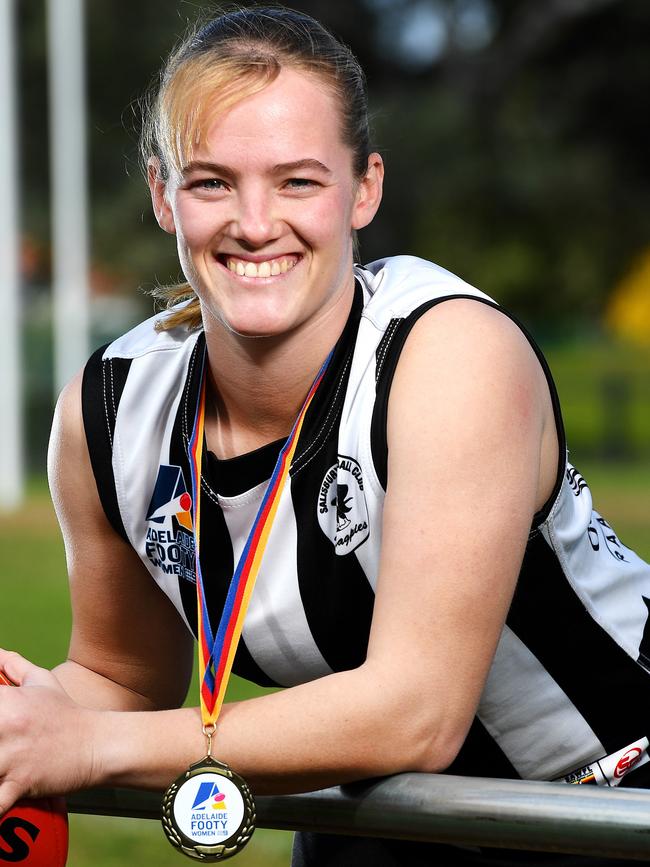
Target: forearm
x,y
340,728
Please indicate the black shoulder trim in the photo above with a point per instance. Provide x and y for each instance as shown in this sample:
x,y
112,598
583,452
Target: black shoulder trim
x,y
101,390
388,354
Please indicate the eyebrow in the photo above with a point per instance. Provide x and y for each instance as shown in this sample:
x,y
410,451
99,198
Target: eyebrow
x,y
279,168
301,164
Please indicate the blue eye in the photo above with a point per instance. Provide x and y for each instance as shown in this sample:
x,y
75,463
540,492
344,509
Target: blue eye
x,y
300,183
210,184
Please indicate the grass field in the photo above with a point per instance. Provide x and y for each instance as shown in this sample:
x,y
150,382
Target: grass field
x,y
35,620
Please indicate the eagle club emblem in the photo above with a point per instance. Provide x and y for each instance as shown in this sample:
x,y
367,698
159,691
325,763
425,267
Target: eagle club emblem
x,y
342,509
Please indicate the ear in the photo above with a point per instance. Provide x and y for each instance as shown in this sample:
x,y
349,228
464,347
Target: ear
x,y
369,192
159,199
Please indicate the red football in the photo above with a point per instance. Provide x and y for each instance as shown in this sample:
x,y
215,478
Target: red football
x,y
34,833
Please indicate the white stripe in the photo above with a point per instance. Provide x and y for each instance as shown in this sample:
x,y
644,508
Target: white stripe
x,y
276,631
609,579
531,718
137,431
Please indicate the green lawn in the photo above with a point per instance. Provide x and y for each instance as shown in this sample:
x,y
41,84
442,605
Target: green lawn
x,y
35,620
604,390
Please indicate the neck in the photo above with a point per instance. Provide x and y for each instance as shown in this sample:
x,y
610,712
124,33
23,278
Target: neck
x,y
257,386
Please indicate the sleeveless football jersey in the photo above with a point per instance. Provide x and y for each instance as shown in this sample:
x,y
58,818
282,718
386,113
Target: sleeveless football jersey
x,y
570,681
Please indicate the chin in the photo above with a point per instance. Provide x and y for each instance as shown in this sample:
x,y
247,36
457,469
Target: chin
x,y
256,328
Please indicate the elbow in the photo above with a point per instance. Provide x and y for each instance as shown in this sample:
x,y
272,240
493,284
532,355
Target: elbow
x,y
426,739
437,752
433,745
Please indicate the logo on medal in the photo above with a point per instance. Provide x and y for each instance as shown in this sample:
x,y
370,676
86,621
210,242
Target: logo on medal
x,y
169,543
209,812
201,812
342,509
207,792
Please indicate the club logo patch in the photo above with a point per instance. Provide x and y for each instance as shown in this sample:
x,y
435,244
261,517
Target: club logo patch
x,y
342,509
170,539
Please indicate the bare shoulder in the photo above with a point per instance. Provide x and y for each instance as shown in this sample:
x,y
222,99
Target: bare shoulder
x,y
474,332
68,465
469,382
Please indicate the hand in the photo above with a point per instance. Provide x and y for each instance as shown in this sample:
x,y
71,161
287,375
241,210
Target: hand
x,y
46,743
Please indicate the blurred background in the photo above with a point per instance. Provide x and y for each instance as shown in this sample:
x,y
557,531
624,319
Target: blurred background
x,y
516,142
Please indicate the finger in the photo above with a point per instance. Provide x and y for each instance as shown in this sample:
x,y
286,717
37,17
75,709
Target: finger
x,y
20,670
9,793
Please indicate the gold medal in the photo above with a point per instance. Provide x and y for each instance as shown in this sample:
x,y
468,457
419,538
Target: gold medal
x,y
208,812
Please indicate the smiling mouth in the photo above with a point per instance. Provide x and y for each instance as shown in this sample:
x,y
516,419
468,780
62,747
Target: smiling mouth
x,y
265,268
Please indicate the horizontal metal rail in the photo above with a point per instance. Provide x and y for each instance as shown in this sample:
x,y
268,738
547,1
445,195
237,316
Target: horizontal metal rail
x,y
513,814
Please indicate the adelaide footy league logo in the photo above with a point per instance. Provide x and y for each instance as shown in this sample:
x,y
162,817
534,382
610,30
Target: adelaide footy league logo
x,y
342,508
170,538
209,792
209,809
170,498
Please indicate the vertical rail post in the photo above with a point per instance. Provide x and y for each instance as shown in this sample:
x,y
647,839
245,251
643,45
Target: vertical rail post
x,y
11,383
69,187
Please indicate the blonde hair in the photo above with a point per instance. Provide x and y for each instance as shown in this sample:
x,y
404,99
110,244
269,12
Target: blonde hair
x,y
232,57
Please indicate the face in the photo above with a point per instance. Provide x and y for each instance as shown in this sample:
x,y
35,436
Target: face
x,y
264,212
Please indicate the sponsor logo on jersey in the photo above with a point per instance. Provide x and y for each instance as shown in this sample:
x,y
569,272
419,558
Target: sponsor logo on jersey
x,y
610,770
599,529
342,509
169,540
578,484
627,761
581,777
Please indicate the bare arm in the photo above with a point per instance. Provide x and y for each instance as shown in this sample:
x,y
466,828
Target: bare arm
x,y
473,447
129,649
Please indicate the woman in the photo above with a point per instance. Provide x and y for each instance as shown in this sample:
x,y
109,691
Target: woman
x,y
419,621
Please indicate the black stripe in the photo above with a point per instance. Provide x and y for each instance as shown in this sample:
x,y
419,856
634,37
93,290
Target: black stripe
x,y
325,409
644,647
336,596
101,389
237,475
608,687
481,756
387,356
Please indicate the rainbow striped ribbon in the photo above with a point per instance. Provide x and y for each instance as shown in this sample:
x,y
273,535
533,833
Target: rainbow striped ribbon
x,y
217,652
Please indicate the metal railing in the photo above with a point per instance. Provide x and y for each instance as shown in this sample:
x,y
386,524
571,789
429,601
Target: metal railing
x,y
513,814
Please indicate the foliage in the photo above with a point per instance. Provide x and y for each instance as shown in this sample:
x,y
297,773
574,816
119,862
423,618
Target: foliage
x,y
513,132
605,396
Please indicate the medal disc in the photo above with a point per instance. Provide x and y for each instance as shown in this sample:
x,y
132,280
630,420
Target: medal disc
x,y
208,812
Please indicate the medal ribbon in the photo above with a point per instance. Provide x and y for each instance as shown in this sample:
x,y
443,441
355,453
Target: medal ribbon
x,y
217,652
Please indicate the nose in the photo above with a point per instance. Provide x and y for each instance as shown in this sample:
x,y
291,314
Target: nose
x,y
255,222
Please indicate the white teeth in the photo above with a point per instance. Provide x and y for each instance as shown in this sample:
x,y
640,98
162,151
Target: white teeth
x,y
268,268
